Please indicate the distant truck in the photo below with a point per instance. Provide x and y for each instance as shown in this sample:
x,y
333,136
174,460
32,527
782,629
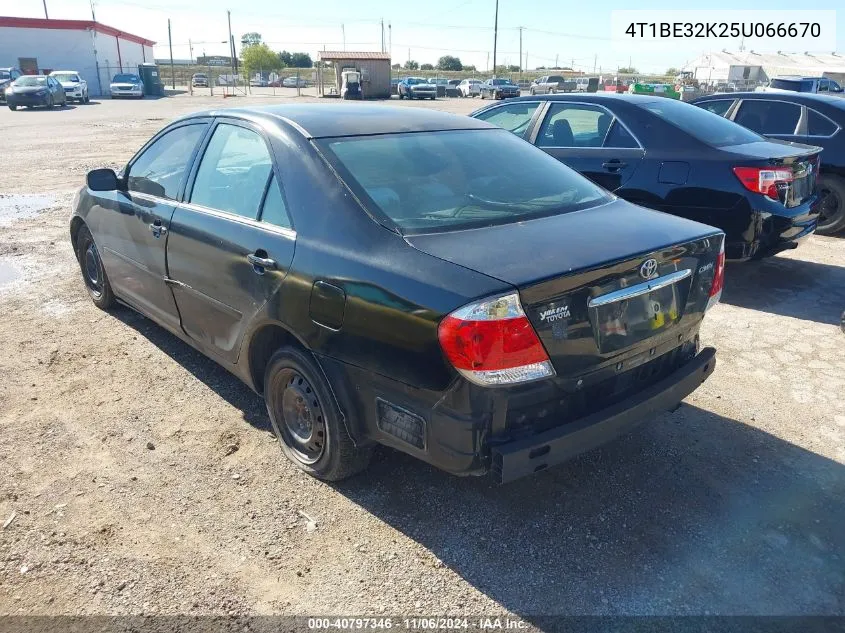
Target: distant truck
x,y
552,84
821,85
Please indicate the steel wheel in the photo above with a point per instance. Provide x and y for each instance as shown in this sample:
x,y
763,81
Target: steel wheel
x,y
300,413
92,268
832,211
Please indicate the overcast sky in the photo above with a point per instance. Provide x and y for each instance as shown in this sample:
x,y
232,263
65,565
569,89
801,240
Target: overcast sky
x,y
573,33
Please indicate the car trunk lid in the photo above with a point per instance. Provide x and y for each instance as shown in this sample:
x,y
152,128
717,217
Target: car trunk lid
x,y
599,286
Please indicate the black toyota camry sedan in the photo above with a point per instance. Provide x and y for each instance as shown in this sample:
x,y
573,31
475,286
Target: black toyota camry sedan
x,y
376,282
802,117
674,157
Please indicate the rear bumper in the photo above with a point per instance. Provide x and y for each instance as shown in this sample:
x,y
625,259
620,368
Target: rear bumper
x,y
768,234
528,456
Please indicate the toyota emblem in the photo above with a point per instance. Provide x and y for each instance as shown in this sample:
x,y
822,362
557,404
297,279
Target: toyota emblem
x,y
648,269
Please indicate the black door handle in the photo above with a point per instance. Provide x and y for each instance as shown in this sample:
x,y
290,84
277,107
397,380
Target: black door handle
x,y
613,165
259,263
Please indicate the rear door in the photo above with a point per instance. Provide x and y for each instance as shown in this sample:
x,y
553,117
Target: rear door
x,y
232,243
590,139
135,236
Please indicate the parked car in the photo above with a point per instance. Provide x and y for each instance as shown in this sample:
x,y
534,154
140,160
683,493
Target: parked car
x,y
802,84
258,82
199,80
293,82
675,157
394,85
126,85
498,89
582,84
7,76
235,231
452,88
75,87
552,84
441,83
470,87
815,119
35,90
416,88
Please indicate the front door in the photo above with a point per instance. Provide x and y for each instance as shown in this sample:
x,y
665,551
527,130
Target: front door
x,y
230,247
134,249
592,141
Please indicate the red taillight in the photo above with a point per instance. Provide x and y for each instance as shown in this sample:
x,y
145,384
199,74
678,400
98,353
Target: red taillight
x,y
764,180
718,279
491,343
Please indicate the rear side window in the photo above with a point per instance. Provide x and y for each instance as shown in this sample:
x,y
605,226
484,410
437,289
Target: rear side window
x,y
619,137
719,106
568,125
158,171
699,123
819,125
513,117
234,171
769,117
273,211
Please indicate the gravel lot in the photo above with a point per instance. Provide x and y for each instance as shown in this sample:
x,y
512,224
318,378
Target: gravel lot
x,y
142,478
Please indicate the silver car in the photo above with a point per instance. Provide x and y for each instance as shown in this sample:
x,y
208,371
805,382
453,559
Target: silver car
x,y
469,88
126,85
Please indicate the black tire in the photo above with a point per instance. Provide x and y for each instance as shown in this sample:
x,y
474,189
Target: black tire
x,y
482,95
532,92
13,107
52,103
307,420
401,96
93,273
832,218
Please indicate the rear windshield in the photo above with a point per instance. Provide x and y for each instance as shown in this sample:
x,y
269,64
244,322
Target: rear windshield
x,y
413,81
128,79
67,77
705,126
30,81
798,85
433,181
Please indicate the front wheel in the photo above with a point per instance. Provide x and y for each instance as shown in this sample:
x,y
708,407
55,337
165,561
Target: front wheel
x,y
307,420
12,107
832,218
93,273
482,96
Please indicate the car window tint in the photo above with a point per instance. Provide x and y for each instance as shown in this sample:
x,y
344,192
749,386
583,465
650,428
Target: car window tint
x,y
569,125
619,136
273,210
513,117
159,170
769,117
435,181
699,123
720,106
824,85
233,172
819,125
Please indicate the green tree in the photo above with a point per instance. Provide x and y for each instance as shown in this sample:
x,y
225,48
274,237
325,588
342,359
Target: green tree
x,y
672,72
259,58
250,39
412,65
426,67
627,70
470,68
448,62
300,60
286,59
396,66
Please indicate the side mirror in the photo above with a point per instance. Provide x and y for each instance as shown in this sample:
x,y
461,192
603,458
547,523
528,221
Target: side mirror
x,y
102,180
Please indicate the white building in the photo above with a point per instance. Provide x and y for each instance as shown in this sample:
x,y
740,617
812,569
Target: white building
x,y
96,51
749,68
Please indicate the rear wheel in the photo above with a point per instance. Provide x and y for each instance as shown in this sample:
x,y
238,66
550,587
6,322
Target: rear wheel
x,y
832,218
12,107
307,420
93,273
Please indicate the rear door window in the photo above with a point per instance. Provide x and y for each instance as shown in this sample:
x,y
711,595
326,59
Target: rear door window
x,y
234,171
274,211
513,117
620,137
819,125
159,170
769,117
574,125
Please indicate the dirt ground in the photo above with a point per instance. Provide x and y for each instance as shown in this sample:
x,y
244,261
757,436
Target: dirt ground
x,y
141,478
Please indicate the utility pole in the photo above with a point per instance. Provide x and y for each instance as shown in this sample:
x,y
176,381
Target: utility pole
x,y
46,17
520,48
191,50
409,57
170,43
595,61
343,32
556,64
495,35
526,59
93,17
231,48
382,35
487,63
390,40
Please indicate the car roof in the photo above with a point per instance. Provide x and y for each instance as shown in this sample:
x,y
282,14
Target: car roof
x,y
76,72
593,97
321,120
807,98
